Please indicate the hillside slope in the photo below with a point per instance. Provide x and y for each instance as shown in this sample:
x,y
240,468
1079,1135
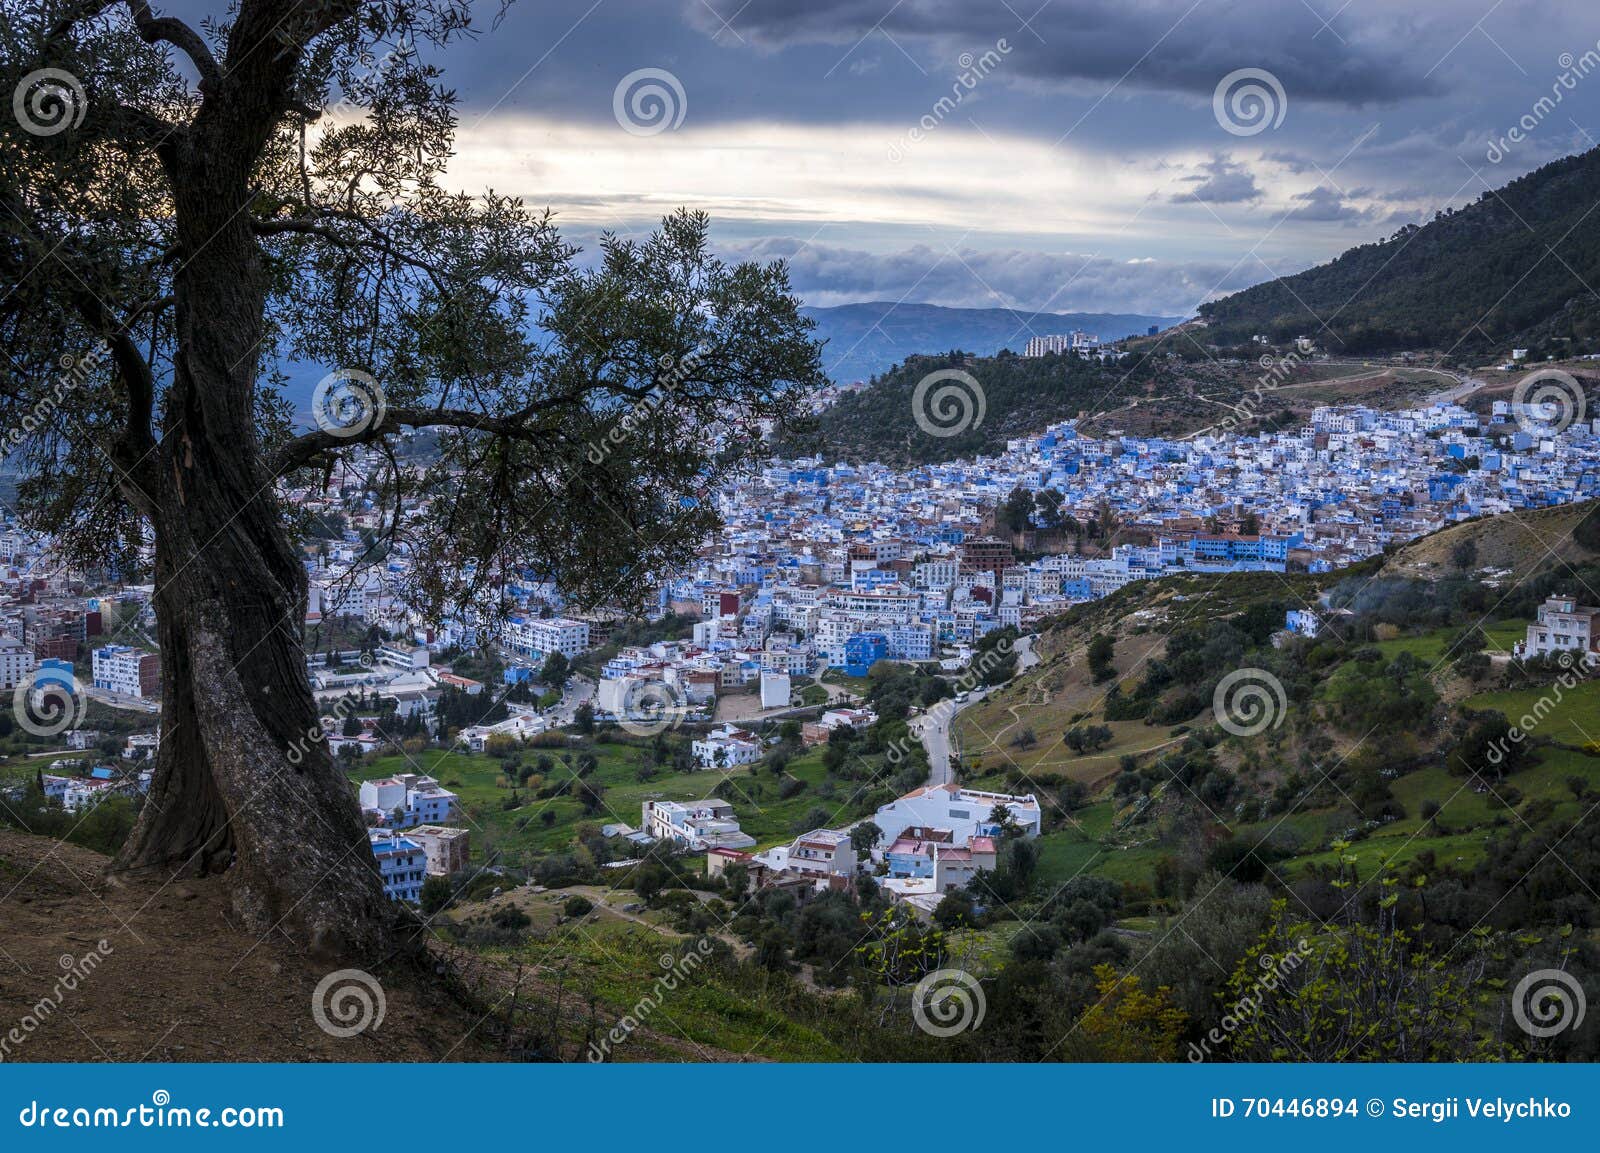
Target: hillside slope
x,y
177,981
1521,543
1513,267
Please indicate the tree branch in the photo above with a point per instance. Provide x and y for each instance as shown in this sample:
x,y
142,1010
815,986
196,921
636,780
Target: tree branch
x,y
155,29
304,449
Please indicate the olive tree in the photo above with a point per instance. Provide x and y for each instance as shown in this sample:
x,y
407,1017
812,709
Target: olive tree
x,y
185,209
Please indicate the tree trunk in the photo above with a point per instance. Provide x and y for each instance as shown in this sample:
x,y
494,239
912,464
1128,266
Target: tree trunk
x,y
243,781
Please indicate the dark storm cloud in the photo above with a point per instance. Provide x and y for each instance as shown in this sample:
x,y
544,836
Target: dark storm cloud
x,y
1176,46
1324,205
1220,181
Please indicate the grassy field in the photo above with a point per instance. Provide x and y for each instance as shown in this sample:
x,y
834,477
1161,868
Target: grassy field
x,y
1573,719
1049,700
1102,844
615,958
515,821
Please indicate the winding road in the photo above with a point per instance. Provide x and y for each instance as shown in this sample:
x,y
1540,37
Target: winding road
x,y
934,725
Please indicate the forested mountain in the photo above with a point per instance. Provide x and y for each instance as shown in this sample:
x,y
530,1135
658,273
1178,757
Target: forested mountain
x,y
1512,268
1014,396
863,340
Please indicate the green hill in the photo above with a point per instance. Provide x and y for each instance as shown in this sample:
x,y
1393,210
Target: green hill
x,y
1511,268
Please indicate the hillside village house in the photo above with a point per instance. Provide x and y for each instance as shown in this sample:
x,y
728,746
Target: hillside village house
x,y
77,794
16,662
1563,626
820,854
931,854
530,636
964,812
405,800
522,724
127,671
402,863
697,825
725,747
446,849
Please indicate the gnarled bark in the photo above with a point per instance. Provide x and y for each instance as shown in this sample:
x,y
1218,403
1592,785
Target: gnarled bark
x,y
243,783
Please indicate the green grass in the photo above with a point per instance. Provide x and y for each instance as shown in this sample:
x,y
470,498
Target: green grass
x,y
1466,819
621,964
861,686
521,833
1572,719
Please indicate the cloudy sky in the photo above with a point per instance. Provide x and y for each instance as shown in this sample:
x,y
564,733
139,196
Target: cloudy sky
x,y
1044,154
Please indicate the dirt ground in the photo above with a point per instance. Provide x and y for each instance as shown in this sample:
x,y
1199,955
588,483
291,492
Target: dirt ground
x,y
175,980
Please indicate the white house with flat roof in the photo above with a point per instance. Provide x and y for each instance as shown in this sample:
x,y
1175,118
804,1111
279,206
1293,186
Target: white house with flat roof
x,y
698,825
965,812
1563,626
819,854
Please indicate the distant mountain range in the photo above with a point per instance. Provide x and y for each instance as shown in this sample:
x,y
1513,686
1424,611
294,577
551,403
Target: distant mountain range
x,y
866,340
1514,267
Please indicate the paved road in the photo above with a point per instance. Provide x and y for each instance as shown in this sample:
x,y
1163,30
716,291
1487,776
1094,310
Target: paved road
x,y
120,701
934,725
577,690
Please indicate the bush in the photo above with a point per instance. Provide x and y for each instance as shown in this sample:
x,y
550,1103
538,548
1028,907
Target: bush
x,y
577,906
